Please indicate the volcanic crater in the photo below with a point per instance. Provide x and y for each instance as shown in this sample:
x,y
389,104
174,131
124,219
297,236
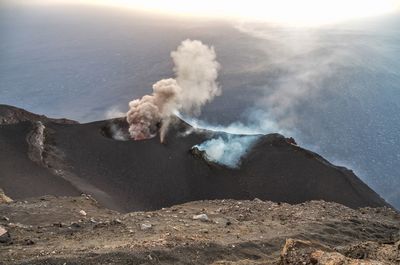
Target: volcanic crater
x,y
147,175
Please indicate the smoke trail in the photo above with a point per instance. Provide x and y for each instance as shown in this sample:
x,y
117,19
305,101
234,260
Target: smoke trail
x,y
196,71
305,60
257,122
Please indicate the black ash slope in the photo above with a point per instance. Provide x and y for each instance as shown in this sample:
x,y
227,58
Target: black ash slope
x,y
19,175
142,175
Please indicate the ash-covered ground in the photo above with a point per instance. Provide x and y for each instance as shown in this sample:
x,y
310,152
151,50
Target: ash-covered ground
x,y
76,230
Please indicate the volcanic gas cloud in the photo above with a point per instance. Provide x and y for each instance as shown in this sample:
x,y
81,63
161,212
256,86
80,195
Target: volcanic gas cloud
x,y
195,84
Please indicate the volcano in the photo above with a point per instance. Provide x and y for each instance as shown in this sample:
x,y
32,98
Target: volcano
x,y
41,156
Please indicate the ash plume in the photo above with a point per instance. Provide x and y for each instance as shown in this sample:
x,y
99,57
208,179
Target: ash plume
x,y
195,84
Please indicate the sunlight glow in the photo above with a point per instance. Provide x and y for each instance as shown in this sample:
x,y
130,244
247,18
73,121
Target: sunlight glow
x,y
293,12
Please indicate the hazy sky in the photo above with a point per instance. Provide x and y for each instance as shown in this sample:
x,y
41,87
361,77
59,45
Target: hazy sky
x,y
289,12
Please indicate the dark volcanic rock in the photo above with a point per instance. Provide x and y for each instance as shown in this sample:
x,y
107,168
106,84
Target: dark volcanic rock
x,y
136,175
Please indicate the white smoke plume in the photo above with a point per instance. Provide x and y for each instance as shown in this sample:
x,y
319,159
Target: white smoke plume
x,y
195,84
117,133
228,150
237,139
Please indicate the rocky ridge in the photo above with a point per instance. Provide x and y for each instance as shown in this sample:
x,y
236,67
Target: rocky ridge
x,y
77,230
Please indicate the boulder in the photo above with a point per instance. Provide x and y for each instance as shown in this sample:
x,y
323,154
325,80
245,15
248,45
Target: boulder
x,y
4,236
4,198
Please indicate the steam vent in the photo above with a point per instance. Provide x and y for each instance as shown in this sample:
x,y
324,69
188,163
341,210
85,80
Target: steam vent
x,y
42,156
